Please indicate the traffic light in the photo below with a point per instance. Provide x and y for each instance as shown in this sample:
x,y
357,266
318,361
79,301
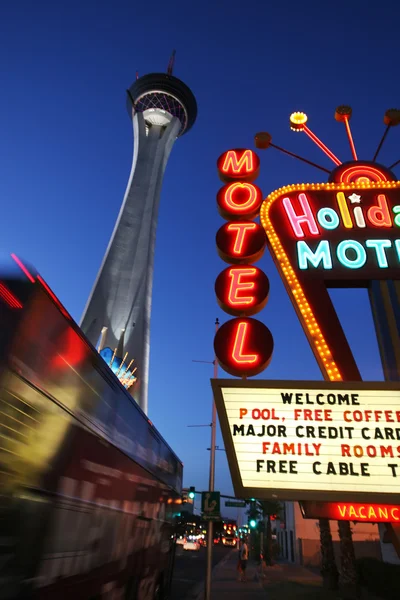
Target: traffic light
x,y
253,523
192,493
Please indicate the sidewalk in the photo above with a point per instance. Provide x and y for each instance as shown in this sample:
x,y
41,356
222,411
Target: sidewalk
x,y
282,581
289,581
225,584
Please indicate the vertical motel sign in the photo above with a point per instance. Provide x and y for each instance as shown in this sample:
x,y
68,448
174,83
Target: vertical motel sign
x,y
243,345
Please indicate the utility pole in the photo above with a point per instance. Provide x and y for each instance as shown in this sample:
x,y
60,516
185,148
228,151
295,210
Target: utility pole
x,y
207,595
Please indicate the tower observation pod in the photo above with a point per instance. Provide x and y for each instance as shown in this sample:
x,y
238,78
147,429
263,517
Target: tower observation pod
x,y
116,318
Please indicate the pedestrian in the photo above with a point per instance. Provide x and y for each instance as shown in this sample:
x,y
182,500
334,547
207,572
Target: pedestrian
x,y
263,565
244,556
239,564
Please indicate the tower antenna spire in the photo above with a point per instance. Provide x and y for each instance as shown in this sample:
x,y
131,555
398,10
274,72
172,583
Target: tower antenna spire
x,y
171,63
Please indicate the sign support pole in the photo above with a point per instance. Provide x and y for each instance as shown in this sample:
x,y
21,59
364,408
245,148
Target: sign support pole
x,y
210,527
385,306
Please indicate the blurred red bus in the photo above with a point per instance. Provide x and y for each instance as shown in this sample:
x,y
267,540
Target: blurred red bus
x,y
87,484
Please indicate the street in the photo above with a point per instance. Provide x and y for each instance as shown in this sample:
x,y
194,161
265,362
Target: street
x,y
190,569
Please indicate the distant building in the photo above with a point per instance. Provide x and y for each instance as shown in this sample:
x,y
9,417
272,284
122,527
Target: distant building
x,y
188,506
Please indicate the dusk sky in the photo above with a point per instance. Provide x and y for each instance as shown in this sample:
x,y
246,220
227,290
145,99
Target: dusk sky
x,y
66,151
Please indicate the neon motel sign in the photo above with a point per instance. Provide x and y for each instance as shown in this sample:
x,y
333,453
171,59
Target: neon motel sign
x,y
344,233
243,345
350,511
308,440
353,231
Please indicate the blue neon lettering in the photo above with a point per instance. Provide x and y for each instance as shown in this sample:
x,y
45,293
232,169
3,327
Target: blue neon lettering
x,y
397,244
379,247
361,255
322,254
328,218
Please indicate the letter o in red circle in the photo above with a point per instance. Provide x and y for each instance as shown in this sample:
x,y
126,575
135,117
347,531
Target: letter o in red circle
x,y
239,200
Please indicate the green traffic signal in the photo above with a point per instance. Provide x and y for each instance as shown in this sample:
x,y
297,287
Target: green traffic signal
x,y
253,523
192,493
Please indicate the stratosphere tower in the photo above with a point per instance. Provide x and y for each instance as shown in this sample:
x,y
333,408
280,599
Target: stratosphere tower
x,y
116,318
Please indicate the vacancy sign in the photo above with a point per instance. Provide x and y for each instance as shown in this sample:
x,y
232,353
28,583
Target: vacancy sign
x,y
300,440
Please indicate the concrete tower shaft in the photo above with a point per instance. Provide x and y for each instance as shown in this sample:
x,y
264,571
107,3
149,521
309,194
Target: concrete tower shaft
x,y
162,108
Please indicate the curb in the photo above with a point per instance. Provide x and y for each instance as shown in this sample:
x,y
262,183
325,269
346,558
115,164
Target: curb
x,y
197,592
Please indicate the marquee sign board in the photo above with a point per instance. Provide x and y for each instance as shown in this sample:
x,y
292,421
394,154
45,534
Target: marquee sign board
x,y
301,440
339,234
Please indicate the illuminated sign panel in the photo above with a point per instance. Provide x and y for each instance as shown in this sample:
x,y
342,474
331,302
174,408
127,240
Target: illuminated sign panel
x,y
338,232
345,511
333,235
123,369
302,440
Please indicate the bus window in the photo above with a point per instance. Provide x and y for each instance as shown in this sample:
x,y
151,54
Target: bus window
x,y
129,433
99,413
